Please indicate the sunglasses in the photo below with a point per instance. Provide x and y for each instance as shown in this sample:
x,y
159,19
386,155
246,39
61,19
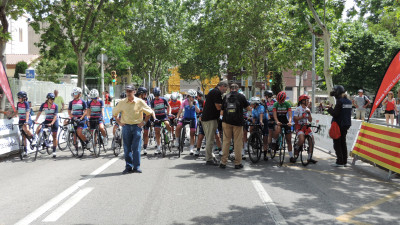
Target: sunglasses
x,y
76,93
129,91
19,97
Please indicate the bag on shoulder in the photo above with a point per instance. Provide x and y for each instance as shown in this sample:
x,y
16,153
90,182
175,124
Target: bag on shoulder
x,y
109,98
232,109
334,131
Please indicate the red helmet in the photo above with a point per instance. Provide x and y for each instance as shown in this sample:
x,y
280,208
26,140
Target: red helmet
x,y
281,97
303,97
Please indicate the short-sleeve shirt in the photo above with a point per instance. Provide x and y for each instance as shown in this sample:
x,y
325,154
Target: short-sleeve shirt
x,y
132,112
50,112
159,105
96,110
243,104
77,107
282,110
59,101
22,108
269,107
175,106
257,112
189,112
361,101
210,112
300,112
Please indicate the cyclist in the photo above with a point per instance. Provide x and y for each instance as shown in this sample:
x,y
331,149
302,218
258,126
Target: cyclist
x,y
246,118
50,109
96,113
25,121
142,93
302,115
77,110
190,106
161,109
175,105
269,106
283,115
260,117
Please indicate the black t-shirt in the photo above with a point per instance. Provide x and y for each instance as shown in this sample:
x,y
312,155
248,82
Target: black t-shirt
x,y
210,112
243,104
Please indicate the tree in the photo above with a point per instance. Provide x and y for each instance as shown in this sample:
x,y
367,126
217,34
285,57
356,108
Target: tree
x,y
277,82
20,68
50,70
80,22
71,67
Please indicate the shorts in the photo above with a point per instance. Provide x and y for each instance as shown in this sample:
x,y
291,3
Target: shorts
x,y
147,125
271,124
30,123
172,121
265,129
161,119
304,130
192,123
81,124
389,112
54,128
93,123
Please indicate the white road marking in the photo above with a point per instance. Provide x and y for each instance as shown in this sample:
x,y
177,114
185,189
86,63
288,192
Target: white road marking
x,y
54,201
71,202
266,199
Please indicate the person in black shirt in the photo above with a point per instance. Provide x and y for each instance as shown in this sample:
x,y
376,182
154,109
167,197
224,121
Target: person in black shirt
x,y
232,125
211,113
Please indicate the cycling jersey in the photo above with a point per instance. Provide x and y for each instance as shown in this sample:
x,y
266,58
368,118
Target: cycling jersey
x,y
77,107
175,106
201,105
49,112
22,108
269,106
257,112
190,112
96,110
159,105
282,110
302,113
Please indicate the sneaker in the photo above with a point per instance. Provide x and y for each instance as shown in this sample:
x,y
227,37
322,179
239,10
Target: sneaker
x,y
144,152
337,165
158,151
243,156
197,153
191,151
240,166
54,155
292,160
313,161
127,170
25,155
222,166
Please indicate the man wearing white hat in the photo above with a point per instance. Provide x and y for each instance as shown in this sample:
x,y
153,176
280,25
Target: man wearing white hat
x,y
361,103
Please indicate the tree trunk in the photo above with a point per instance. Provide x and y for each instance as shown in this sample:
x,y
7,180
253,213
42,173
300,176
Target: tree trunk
x,y
81,71
299,87
327,63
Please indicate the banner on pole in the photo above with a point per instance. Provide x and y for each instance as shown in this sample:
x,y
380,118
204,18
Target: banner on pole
x,y
6,86
392,76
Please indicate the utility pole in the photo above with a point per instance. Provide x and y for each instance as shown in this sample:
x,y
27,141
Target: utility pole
x,y
313,75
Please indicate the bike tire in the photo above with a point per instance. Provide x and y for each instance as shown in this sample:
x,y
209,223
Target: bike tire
x,y
294,152
182,141
306,150
70,143
96,143
163,144
116,146
80,149
102,142
62,139
253,148
21,152
41,144
282,149
272,152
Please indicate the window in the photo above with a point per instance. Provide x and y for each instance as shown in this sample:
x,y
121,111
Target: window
x,y
20,35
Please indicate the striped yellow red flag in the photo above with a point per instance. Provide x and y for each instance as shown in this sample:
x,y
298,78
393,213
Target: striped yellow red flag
x,y
379,144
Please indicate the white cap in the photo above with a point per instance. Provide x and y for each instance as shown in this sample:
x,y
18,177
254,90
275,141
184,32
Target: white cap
x,y
360,91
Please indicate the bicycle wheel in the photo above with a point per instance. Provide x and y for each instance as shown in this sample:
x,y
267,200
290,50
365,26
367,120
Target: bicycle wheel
x,y
272,152
96,143
163,144
102,142
182,141
116,143
41,145
80,148
70,143
253,146
306,150
62,139
282,148
296,155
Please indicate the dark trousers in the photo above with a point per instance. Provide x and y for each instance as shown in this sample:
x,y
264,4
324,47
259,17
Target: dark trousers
x,y
341,148
132,140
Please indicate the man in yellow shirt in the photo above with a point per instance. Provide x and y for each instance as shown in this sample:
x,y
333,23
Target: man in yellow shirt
x,y
59,101
131,121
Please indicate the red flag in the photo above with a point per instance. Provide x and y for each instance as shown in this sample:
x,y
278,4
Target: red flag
x,y
6,86
392,76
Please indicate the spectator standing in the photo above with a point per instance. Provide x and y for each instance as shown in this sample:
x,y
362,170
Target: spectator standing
x,y
232,125
107,98
211,113
342,116
59,101
361,103
131,121
390,103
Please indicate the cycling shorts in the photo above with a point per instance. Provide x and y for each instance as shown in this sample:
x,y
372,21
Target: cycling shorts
x,y
192,124
30,123
302,130
93,123
54,128
161,119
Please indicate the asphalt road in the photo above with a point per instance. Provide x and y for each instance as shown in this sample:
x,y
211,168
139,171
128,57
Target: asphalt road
x,y
173,190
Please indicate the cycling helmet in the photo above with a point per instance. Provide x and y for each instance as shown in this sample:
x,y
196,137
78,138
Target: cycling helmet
x,y
200,93
51,96
268,93
93,93
122,95
174,96
22,94
141,90
76,90
255,100
337,91
281,97
157,91
240,92
192,93
303,97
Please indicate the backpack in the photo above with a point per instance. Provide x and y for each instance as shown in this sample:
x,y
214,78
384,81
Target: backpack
x,y
334,131
109,98
231,112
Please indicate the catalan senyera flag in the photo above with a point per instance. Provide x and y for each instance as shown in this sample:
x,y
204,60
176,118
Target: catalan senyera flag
x,y
379,144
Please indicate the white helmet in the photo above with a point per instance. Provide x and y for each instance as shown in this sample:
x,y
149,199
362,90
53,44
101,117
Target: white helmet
x,y
76,90
174,96
192,93
93,93
255,100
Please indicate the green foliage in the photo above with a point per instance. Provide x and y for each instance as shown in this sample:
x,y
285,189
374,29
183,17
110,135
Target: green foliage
x,y
277,82
92,71
50,70
71,67
20,68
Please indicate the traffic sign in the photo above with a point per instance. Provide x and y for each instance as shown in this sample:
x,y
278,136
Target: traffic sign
x,y
105,58
30,73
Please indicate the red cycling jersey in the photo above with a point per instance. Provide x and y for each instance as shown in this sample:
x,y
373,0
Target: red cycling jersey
x,y
175,106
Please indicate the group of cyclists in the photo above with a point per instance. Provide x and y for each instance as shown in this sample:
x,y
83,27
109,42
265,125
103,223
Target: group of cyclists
x,y
273,113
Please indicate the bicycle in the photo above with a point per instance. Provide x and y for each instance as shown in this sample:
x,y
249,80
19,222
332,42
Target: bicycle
x,y
97,138
62,137
182,137
165,139
80,145
116,143
21,143
281,142
255,143
44,141
307,149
